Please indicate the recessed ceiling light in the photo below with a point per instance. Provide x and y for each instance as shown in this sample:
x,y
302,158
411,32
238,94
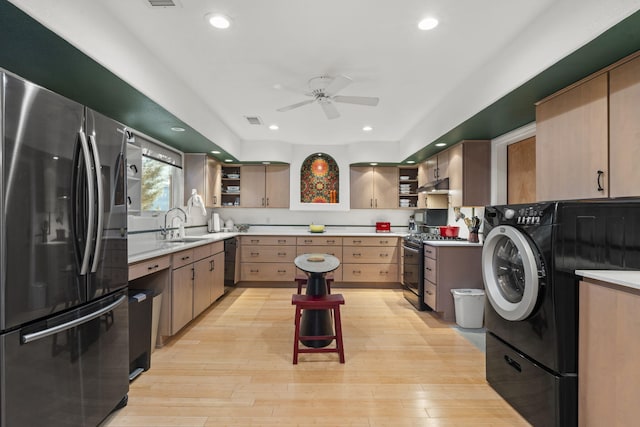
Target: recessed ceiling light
x,y
177,129
274,127
55,157
215,152
277,86
266,163
218,21
440,144
373,164
367,128
428,24
411,161
228,160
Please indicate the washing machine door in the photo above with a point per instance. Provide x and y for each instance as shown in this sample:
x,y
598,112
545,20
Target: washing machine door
x,y
510,272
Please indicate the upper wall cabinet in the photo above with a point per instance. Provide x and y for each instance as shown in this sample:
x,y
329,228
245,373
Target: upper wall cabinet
x,y
264,186
572,142
204,174
470,173
374,187
624,133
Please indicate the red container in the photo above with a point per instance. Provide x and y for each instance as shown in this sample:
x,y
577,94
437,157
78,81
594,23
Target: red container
x,y
449,231
383,227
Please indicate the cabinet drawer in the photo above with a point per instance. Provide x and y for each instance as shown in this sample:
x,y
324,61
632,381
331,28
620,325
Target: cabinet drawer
x,y
370,241
217,247
148,267
201,252
430,294
430,270
430,252
336,251
264,272
181,258
381,254
268,240
316,241
369,273
267,253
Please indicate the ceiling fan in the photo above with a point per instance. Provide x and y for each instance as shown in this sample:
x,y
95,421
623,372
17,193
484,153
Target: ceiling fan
x,y
324,90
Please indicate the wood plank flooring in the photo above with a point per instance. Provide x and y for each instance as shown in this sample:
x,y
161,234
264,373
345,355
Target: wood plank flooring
x,y
233,367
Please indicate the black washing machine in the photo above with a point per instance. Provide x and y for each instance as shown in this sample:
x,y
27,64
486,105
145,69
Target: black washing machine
x,y
529,257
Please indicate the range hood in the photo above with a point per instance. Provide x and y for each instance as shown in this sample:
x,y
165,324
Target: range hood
x,y
440,186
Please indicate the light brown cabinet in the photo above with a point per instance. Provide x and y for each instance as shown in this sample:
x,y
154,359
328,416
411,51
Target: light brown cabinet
x,y
608,346
370,259
321,245
197,280
446,268
437,167
572,142
264,186
267,258
624,132
470,173
204,174
374,187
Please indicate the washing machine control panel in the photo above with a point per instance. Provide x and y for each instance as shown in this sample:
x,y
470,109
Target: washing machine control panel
x,y
528,216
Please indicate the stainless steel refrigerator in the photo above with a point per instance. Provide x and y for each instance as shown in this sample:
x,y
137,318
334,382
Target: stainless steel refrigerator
x,y
63,248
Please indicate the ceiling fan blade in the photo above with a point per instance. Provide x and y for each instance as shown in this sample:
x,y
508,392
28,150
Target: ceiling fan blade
x,y
292,106
361,100
337,84
330,110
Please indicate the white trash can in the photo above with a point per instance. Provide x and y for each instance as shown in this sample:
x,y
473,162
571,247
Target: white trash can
x,y
469,306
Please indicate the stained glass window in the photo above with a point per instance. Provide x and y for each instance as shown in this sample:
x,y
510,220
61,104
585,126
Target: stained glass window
x,y
319,179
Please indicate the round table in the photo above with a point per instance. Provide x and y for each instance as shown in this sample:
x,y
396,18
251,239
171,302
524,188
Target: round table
x,y
316,322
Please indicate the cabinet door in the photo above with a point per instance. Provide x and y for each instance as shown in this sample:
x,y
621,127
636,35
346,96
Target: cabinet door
x,y
252,187
361,187
443,165
277,186
624,129
181,297
202,285
432,169
385,187
213,184
572,143
470,173
423,178
217,277
455,175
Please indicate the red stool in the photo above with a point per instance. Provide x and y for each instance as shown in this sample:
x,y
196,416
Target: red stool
x,y
324,302
301,280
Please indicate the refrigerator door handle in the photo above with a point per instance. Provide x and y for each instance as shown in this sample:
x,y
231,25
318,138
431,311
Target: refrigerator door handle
x,y
27,338
91,204
100,196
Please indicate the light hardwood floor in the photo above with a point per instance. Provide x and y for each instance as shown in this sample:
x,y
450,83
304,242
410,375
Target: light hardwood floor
x,y
233,367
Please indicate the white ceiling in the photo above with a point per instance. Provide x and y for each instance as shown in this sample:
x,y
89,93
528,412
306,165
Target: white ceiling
x,y
427,81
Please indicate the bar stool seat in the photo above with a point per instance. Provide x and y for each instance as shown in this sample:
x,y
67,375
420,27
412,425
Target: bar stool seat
x,y
323,302
301,280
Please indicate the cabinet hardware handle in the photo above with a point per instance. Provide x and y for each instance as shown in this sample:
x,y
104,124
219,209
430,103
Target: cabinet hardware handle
x,y
211,265
267,201
255,253
357,241
515,365
263,202
193,273
282,271
184,258
384,242
282,241
129,200
331,241
215,200
308,241
357,255
282,254
427,268
376,203
384,255
153,267
600,174
254,271
255,241
356,272
371,203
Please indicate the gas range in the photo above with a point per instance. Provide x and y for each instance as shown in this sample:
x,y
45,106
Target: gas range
x,y
426,237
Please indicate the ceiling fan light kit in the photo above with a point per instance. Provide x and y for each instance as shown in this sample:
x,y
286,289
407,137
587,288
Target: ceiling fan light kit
x,y
323,89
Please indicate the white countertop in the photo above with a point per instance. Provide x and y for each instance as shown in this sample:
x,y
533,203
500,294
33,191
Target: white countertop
x,y
628,278
143,250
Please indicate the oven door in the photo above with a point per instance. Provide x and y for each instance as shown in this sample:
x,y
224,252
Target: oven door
x,y
413,284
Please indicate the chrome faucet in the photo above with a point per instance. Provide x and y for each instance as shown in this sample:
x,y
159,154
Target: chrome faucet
x,y
164,230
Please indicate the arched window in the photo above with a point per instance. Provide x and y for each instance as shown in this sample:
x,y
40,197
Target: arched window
x,y
319,179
